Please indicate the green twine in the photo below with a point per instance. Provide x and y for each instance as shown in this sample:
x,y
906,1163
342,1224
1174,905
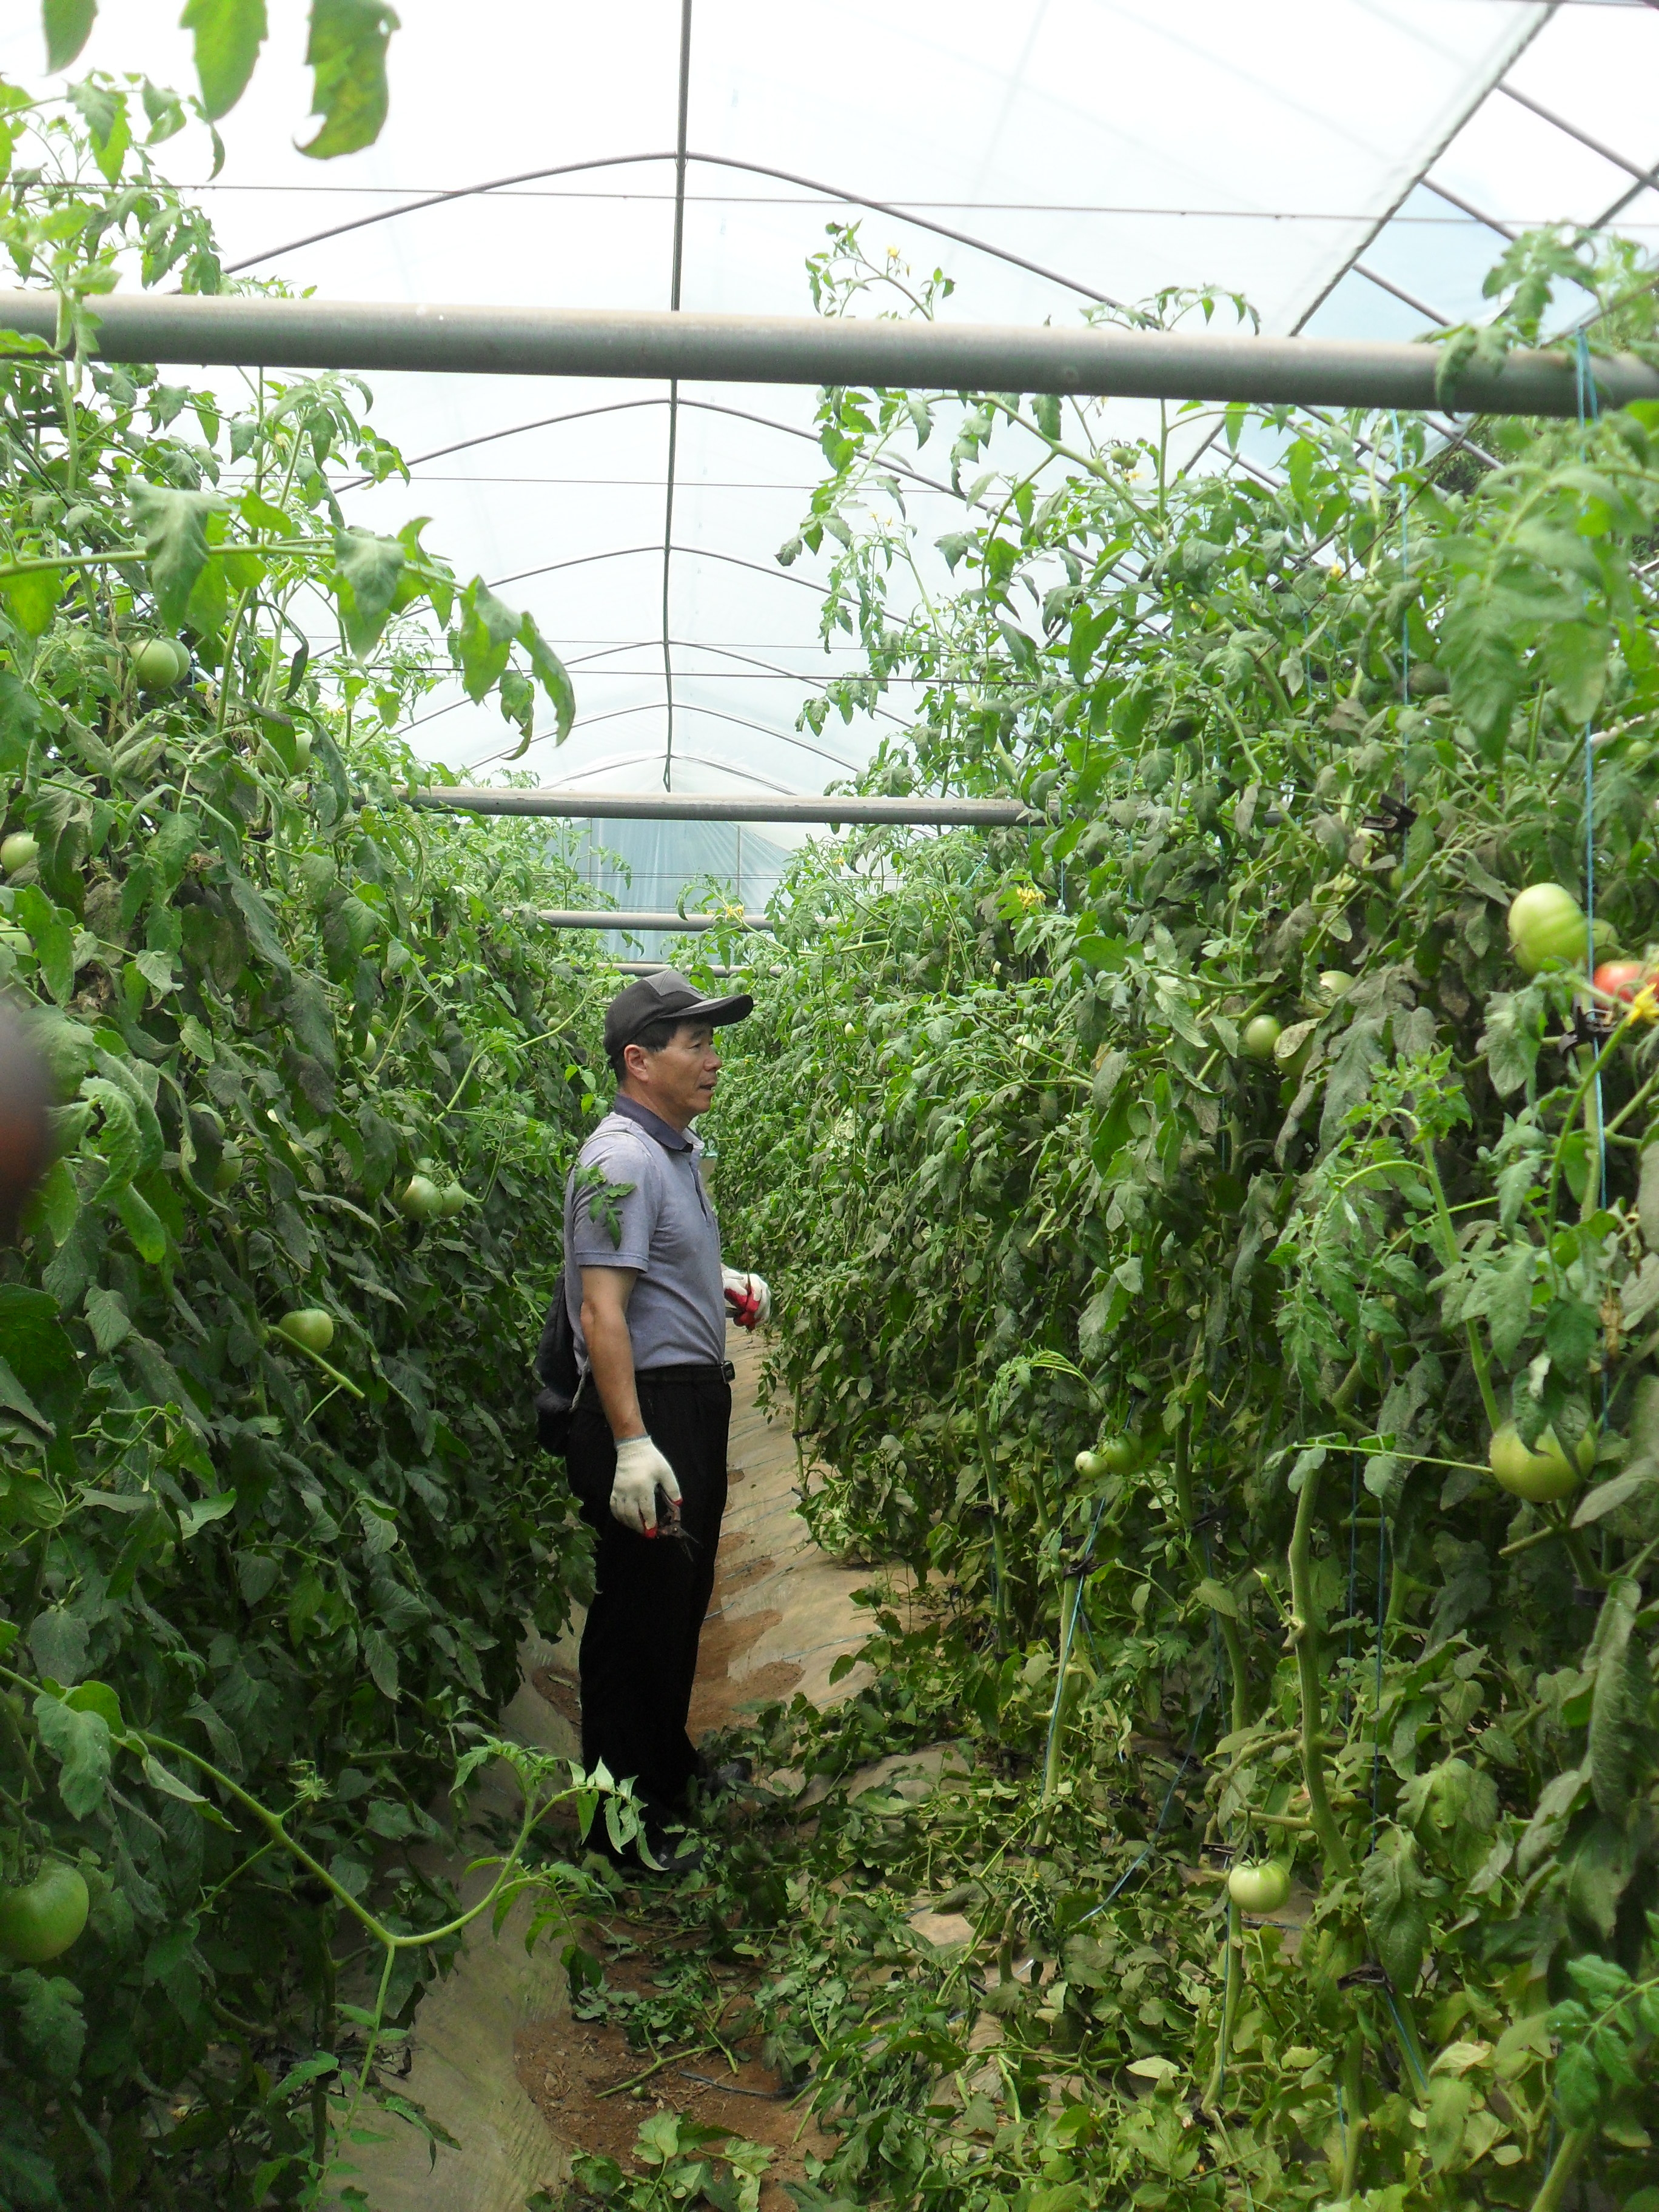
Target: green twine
x,y
1589,401
1184,1762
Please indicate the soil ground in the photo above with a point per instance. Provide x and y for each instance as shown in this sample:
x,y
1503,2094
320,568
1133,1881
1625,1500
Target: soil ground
x,y
571,2070
781,1614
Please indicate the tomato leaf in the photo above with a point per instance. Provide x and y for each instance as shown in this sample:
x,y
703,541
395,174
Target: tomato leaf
x,y
368,572
487,631
40,1358
346,53
108,126
33,596
173,526
80,1742
227,36
380,1654
49,2026
551,675
68,25
1618,1703
163,1778
1393,1888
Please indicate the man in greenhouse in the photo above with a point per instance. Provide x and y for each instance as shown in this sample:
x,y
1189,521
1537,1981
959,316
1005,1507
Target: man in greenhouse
x,y
649,1298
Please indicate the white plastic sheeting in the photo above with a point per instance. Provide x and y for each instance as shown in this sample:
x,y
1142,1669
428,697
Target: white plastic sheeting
x,y
1268,146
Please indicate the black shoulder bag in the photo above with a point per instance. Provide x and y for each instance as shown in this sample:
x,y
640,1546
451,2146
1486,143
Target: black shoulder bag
x,y
559,1376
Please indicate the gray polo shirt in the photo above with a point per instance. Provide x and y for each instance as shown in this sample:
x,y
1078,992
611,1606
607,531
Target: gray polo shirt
x,y
670,1238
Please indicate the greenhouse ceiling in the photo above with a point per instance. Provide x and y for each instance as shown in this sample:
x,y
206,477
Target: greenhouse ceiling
x,y
1352,167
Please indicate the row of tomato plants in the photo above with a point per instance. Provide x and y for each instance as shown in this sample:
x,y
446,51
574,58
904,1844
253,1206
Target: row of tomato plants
x,y
270,1517
1217,1242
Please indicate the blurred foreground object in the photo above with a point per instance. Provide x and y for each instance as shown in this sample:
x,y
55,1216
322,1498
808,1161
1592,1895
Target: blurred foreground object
x,y
25,1126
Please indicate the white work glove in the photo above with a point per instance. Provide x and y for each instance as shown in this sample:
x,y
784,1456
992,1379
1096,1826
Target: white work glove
x,y
748,1297
642,1471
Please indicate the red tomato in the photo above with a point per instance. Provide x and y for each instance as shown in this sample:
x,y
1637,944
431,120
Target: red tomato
x,y
1619,979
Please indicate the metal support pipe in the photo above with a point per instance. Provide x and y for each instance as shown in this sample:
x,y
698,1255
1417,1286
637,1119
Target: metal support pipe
x,y
1099,360
673,924
702,806
656,967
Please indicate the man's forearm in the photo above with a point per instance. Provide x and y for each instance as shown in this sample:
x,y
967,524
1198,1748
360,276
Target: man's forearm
x,y
610,1356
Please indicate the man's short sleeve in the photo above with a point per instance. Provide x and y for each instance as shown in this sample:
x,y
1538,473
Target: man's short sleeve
x,y
626,1200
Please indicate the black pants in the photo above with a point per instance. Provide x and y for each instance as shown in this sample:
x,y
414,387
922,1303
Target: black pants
x,y
638,1653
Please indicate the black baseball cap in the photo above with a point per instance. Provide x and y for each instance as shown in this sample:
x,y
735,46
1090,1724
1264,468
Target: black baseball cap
x,y
666,996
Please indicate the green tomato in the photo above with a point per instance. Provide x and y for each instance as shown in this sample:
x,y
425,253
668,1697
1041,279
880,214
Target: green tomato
x,y
1335,983
18,851
43,1917
1259,1037
1259,1887
421,1199
1111,1456
452,1200
160,664
1542,1474
1547,928
308,1327
228,1173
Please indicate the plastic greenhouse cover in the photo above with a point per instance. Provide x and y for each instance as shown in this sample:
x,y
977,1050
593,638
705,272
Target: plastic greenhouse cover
x,y
1265,146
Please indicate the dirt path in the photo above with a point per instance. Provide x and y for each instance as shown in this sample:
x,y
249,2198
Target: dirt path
x,y
497,2057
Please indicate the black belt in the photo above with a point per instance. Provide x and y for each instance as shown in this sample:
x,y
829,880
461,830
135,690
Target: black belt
x,y
694,1371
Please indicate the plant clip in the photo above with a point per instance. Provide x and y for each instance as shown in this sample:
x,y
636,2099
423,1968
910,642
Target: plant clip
x,y
1393,817
1370,1976
1585,1031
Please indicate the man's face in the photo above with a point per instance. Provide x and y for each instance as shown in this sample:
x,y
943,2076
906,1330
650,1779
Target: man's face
x,y
677,1082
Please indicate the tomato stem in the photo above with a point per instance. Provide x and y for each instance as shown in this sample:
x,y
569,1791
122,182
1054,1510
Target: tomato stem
x,y
1353,2121
1478,1359
1230,2002
342,1382
19,1744
1565,2163
1071,1600
1304,1632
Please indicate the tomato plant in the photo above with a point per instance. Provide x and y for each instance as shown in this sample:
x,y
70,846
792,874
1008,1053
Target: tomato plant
x,y
1055,1134
270,1513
